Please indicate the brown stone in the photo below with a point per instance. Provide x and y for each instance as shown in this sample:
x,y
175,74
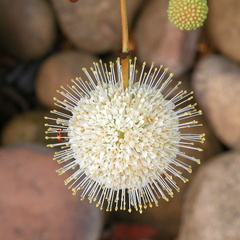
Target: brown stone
x,y
159,41
35,204
94,25
223,27
25,128
212,209
217,87
58,70
27,28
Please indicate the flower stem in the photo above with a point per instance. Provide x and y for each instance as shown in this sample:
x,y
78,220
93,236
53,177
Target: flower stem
x,y
125,44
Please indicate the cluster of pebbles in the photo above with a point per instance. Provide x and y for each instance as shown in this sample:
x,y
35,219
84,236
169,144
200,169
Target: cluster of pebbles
x,y
34,204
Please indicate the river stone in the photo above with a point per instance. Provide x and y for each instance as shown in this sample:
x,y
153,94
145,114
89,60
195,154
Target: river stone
x,y
212,209
159,41
223,27
58,70
36,204
94,25
216,81
27,28
25,128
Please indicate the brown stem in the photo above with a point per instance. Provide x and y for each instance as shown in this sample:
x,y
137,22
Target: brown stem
x,y
125,44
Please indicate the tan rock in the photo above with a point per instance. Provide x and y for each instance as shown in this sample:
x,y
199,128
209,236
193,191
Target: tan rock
x,y
94,25
223,27
25,128
58,70
159,41
217,87
27,28
212,209
35,204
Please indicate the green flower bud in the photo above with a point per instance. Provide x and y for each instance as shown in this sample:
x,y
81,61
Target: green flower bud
x,y
187,14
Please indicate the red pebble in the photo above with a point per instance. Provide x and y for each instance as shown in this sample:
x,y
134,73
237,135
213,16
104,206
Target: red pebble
x,y
133,232
73,0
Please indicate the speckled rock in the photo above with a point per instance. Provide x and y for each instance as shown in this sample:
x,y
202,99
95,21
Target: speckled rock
x,y
217,87
93,25
58,70
35,204
212,209
159,41
25,128
166,217
27,28
223,27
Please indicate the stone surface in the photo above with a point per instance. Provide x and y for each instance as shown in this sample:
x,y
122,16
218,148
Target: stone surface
x,y
94,25
212,209
216,82
166,217
223,27
35,204
58,70
27,28
159,41
25,128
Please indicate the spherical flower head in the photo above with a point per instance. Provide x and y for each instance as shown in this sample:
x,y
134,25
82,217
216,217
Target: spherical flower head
x,y
187,14
123,143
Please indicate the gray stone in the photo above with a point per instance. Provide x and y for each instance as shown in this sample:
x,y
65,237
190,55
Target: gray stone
x,y
217,88
212,209
159,41
223,26
94,25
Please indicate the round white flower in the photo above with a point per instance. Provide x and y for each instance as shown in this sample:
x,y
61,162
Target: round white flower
x,y
123,143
